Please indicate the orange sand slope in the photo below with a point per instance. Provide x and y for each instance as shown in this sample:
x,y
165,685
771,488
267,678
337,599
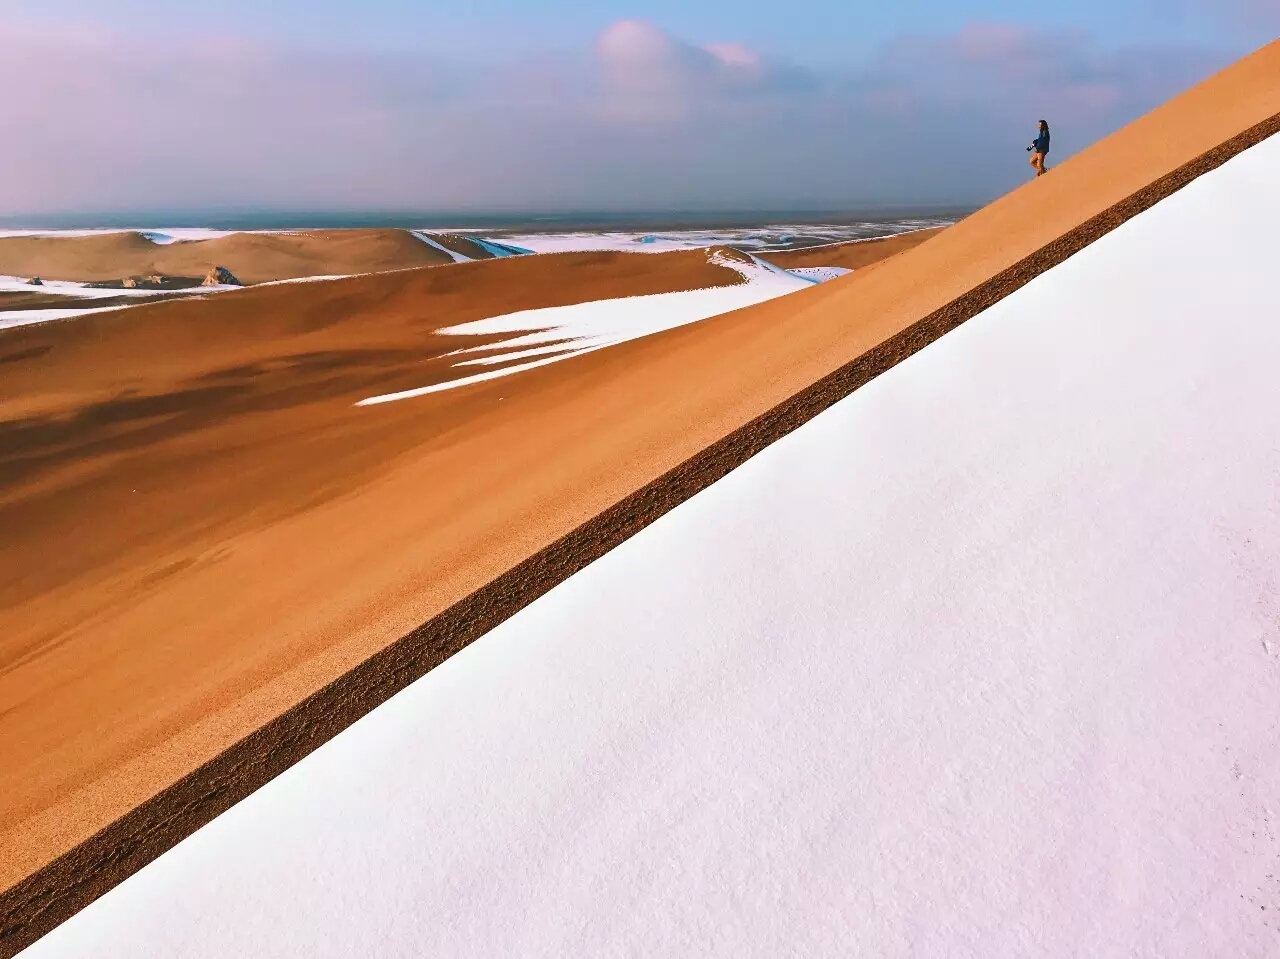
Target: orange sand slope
x,y
266,542
133,442
252,257
852,256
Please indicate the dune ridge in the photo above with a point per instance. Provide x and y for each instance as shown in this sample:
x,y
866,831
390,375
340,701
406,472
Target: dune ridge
x,y
566,444
252,257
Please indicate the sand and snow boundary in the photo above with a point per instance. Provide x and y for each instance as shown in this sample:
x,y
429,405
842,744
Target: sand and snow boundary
x,y
46,898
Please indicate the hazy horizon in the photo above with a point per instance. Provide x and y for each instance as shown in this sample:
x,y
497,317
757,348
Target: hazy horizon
x,y
266,219
566,108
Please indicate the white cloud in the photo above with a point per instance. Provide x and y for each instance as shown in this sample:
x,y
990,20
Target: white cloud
x,y
736,57
651,78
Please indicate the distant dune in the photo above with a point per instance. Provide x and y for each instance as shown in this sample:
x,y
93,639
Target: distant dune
x,y
201,530
853,255
252,257
149,427
263,257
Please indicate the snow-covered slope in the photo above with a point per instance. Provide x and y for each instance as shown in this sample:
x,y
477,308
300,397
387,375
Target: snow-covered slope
x,y
980,662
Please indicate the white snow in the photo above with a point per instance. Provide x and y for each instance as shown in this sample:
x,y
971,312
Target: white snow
x,y
19,284
810,274
169,235
582,328
318,278
763,238
906,227
428,239
72,290
975,664
14,318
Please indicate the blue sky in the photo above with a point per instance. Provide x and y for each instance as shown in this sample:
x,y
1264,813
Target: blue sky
x,y
826,32
575,105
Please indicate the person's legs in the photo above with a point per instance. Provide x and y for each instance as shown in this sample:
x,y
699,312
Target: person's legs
x,y
1037,161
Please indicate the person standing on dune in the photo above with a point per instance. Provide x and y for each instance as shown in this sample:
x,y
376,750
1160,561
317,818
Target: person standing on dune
x,y
1039,149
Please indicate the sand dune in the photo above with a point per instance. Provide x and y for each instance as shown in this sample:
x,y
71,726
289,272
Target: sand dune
x,y
204,531
263,257
252,257
134,441
78,397
988,646
852,256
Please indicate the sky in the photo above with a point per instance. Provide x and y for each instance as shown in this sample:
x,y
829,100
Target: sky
x,y
573,106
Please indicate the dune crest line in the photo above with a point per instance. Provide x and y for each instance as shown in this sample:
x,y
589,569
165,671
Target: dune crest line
x,y
46,898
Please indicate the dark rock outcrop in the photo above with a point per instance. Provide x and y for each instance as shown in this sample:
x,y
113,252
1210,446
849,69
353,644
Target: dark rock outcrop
x,y
221,276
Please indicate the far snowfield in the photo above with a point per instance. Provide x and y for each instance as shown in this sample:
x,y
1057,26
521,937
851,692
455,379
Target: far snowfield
x,y
755,239
982,661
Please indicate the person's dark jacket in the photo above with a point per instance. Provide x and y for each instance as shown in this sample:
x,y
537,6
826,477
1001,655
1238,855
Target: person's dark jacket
x,y
1041,143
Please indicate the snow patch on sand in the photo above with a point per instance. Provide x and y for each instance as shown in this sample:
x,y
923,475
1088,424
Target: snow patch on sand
x,y
10,319
569,331
318,278
431,241
189,234
79,292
